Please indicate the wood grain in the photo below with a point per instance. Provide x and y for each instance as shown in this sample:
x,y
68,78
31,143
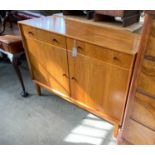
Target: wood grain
x,y
151,43
144,110
138,134
147,77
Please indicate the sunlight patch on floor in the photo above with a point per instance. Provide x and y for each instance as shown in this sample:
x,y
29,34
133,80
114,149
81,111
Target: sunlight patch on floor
x,y
91,130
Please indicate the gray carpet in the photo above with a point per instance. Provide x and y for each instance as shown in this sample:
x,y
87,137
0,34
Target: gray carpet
x,y
44,120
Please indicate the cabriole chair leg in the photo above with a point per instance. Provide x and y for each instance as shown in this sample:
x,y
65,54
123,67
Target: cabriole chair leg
x,y
15,64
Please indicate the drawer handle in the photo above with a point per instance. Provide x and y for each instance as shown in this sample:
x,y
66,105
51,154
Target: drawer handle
x,y
30,33
73,78
80,48
55,40
115,58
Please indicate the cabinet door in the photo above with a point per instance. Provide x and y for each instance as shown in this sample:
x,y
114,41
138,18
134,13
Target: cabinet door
x,y
49,65
98,85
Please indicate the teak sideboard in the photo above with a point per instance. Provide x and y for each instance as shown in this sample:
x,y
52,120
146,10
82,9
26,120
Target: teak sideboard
x,y
86,64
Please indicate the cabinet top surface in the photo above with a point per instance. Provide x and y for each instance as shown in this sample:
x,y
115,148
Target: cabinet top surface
x,y
108,37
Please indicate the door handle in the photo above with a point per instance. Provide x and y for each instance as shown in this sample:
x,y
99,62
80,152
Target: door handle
x,y
65,75
80,48
73,78
116,58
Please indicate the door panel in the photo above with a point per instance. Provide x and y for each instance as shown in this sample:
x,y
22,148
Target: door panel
x,y
98,85
49,65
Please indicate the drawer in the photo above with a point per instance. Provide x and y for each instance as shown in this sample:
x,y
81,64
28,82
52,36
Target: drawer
x,y
151,42
136,133
107,55
151,47
90,50
45,36
123,60
146,79
144,110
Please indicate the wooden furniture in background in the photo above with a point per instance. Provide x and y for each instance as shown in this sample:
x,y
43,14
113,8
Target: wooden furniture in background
x,y
139,122
88,13
128,17
18,15
11,46
86,64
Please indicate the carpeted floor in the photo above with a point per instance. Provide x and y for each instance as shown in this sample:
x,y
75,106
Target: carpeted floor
x,y
47,119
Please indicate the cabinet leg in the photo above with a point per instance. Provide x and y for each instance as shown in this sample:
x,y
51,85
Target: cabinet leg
x,y
38,90
116,128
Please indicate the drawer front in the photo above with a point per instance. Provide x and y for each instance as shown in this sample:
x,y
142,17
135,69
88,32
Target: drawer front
x,y
151,43
101,53
45,36
136,133
144,110
151,47
146,80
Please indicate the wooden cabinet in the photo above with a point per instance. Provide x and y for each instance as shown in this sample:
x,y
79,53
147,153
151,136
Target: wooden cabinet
x,y
96,76
139,121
